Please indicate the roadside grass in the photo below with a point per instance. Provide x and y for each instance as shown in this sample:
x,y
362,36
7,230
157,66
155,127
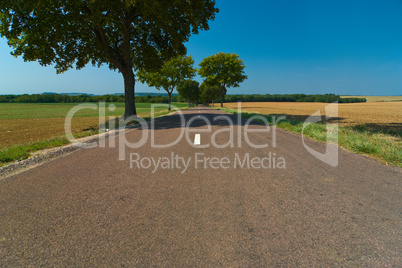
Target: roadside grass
x,y
385,146
23,151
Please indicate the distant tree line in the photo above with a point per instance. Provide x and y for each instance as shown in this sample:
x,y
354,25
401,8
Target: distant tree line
x,y
58,98
327,98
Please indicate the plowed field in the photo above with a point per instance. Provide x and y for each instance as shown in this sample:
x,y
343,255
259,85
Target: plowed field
x,y
23,123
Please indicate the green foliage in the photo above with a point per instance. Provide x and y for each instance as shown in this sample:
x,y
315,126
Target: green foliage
x,y
123,34
326,98
172,73
223,69
352,100
189,90
68,32
209,92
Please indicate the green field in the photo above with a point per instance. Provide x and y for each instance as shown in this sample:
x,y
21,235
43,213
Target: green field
x,y
26,127
57,110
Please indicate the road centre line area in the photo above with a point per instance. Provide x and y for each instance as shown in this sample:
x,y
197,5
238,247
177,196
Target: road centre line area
x,y
197,139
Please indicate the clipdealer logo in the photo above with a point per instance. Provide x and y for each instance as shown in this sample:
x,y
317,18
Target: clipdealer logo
x,y
330,156
269,161
148,128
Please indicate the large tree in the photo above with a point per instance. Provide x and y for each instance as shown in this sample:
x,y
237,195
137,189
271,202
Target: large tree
x,y
223,69
172,73
124,34
189,90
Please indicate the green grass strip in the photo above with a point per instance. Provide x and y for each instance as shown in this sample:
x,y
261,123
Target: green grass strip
x,y
21,152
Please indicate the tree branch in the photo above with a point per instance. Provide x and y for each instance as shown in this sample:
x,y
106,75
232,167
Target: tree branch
x,y
114,56
101,37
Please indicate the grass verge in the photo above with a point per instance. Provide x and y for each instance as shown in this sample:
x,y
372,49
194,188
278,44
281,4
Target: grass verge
x,y
21,152
383,146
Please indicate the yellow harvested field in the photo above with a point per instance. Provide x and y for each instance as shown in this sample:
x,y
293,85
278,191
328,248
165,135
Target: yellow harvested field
x,y
375,115
377,98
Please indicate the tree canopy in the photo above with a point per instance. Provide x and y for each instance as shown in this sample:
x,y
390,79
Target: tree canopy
x,y
172,73
189,90
209,92
124,34
223,69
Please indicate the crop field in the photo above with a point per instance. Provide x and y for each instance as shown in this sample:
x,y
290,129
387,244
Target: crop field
x,y
385,116
22,123
371,128
377,98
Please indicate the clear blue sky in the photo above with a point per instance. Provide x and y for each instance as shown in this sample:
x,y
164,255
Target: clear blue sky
x,y
347,47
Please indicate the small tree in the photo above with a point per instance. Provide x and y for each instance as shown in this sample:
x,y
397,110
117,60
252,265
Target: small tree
x,y
172,73
209,92
189,90
223,69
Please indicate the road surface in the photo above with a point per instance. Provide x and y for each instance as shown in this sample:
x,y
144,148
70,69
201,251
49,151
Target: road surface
x,y
203,206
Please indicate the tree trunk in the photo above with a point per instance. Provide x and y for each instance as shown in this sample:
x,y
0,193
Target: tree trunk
x,y
222,95
129,96
169,96
188,103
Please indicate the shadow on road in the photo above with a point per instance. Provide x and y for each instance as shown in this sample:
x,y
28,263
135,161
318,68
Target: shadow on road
x,y
196,120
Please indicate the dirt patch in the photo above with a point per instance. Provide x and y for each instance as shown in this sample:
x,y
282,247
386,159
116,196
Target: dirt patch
x,y
25,130
19,131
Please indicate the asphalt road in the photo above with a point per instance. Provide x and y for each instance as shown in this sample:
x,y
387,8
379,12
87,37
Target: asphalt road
x,y
90,209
